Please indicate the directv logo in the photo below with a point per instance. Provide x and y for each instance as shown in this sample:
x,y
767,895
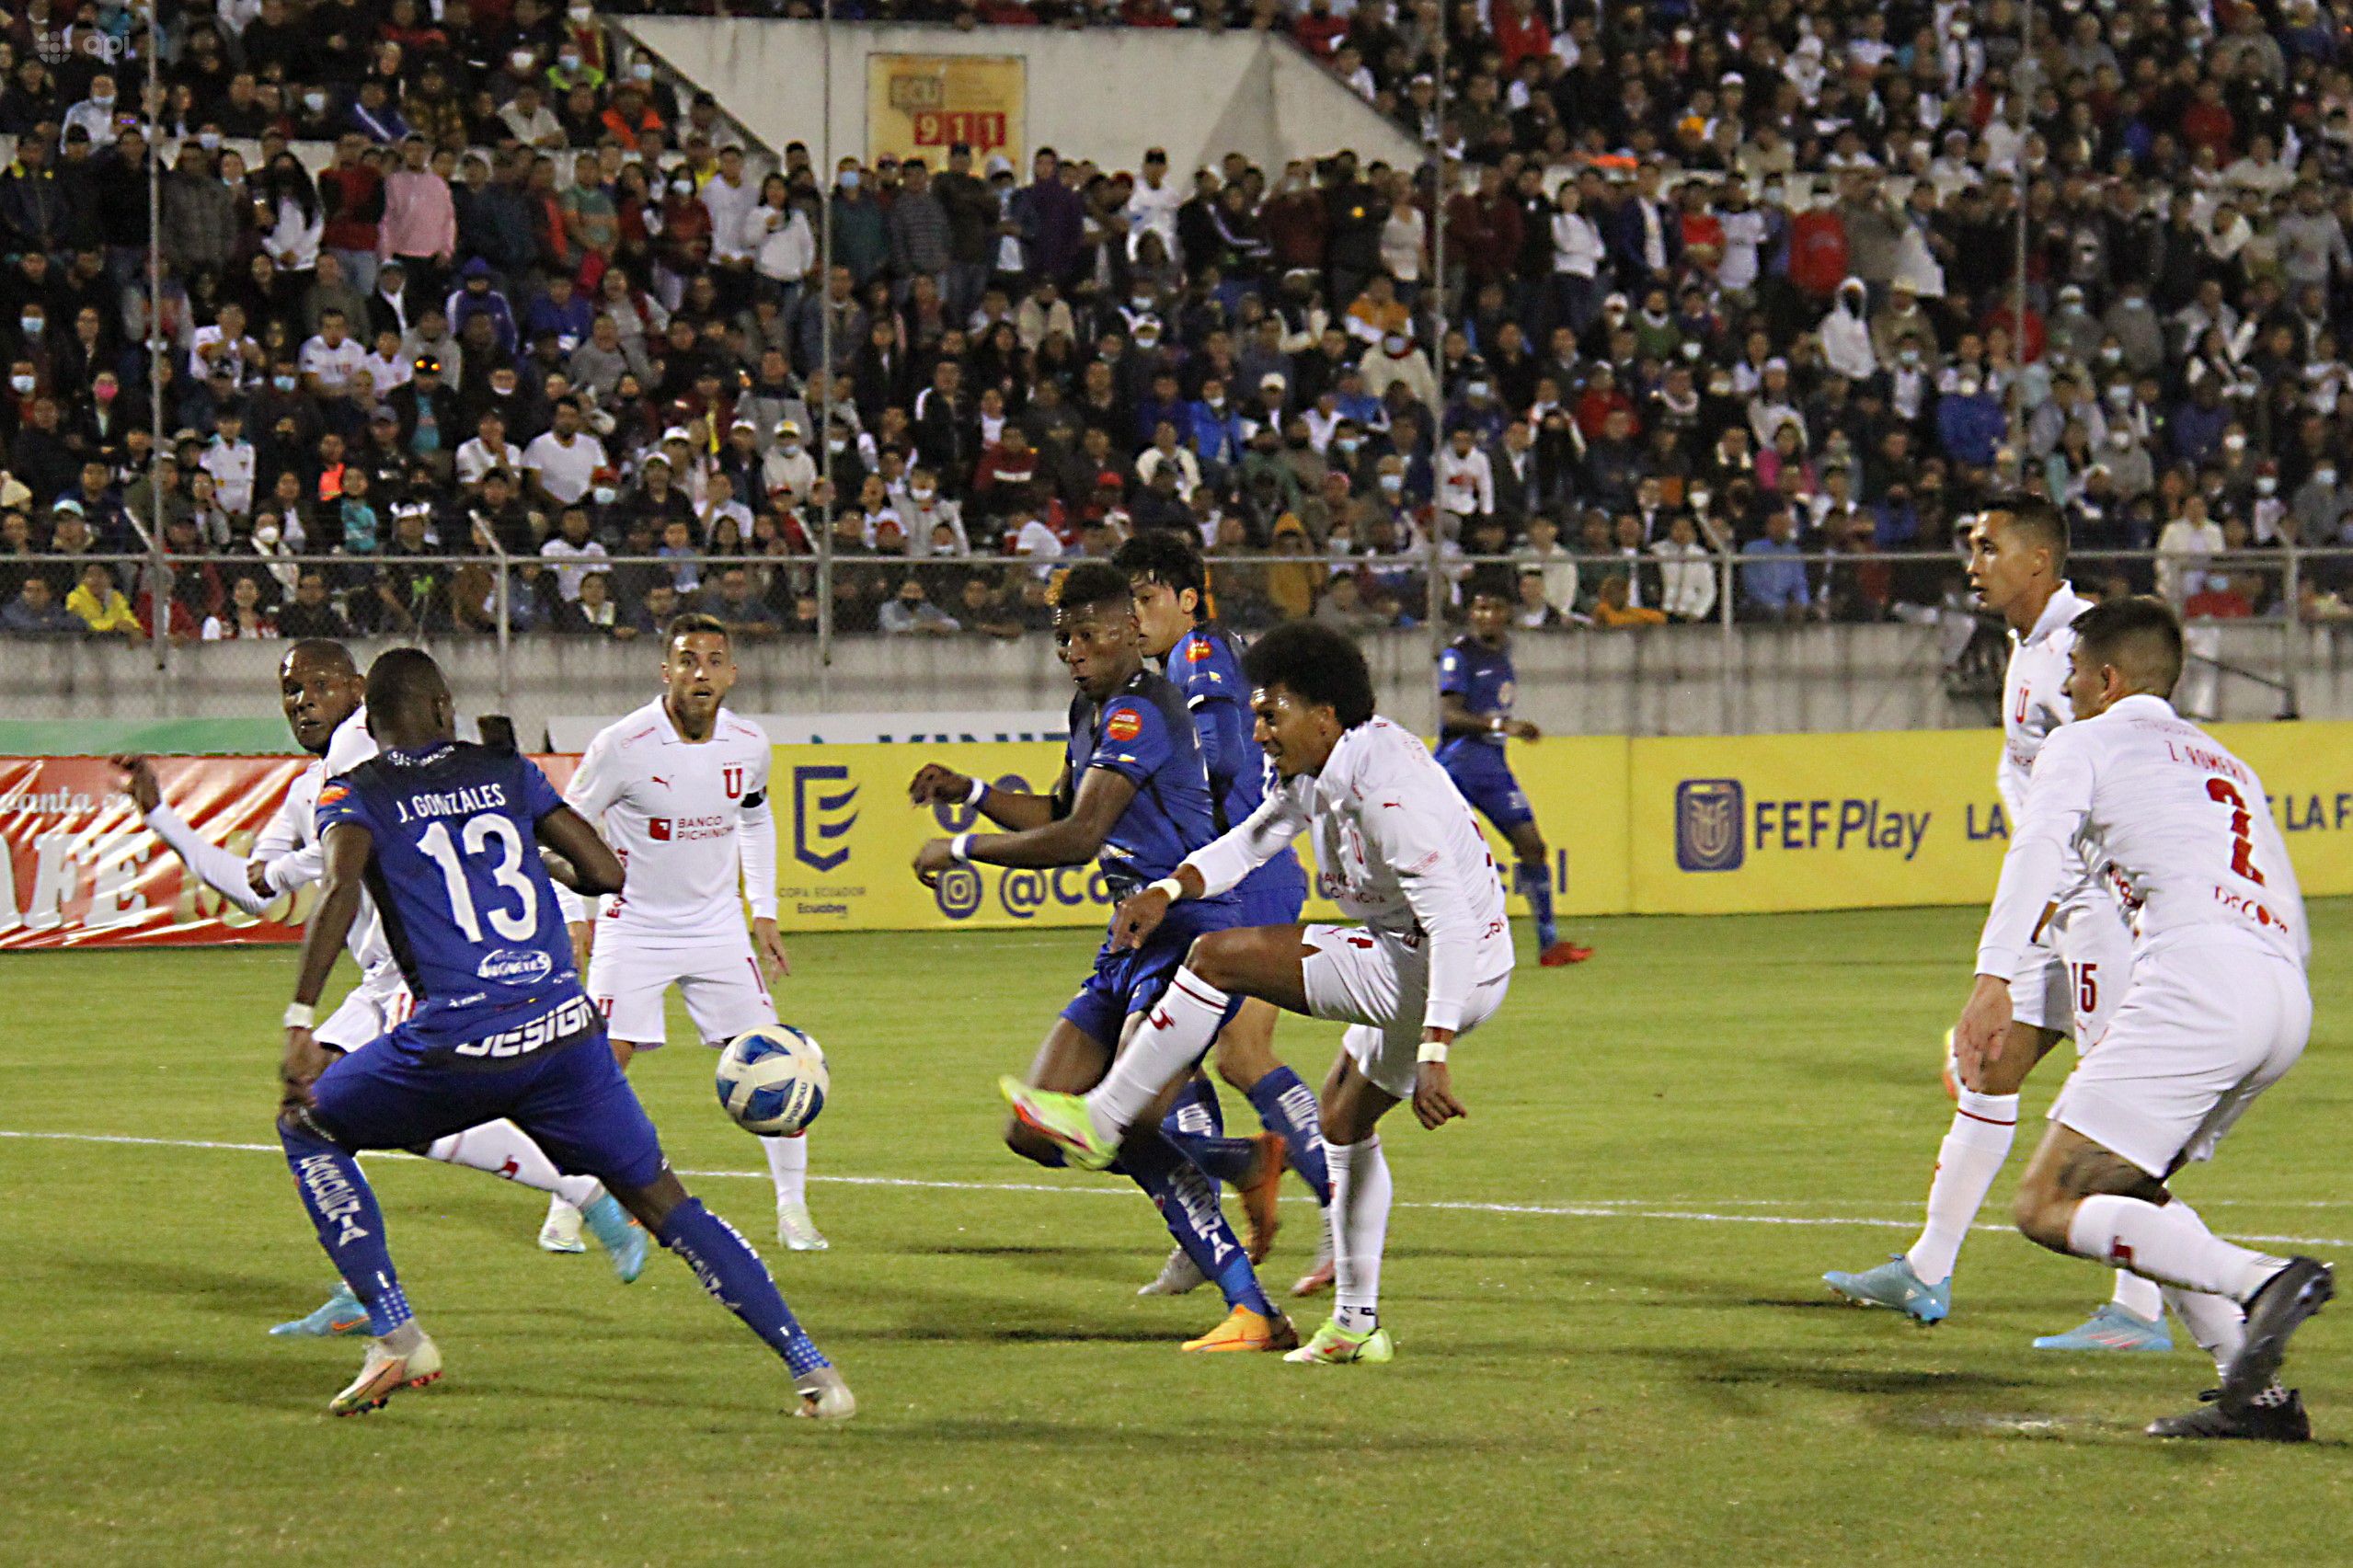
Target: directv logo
x,y
1710,816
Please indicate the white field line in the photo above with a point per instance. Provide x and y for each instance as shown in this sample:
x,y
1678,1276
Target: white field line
x,y
1600,1209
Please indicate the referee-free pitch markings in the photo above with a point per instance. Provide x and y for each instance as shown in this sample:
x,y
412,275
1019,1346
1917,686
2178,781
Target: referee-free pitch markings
x,y
1596,1209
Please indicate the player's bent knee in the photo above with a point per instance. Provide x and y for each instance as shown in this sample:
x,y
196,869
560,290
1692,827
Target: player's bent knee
x,y
1215,957
2041,1210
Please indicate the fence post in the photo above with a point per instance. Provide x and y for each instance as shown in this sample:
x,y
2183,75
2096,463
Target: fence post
x,y
1727,643
2291,627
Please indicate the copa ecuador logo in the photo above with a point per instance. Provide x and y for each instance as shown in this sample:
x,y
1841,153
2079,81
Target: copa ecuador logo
x,y
1125,724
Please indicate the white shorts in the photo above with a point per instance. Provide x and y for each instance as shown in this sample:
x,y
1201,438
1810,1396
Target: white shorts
x,y
1379,984
2211,1021
721,978
373,1008
2074,977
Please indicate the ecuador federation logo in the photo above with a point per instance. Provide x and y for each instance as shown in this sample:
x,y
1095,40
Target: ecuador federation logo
x,y
1709,814
1125,724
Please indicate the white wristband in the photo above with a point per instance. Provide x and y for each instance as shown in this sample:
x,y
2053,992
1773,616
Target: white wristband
x,y
300,1015
1170,885
960,849
980,789
1432,1051
1495,724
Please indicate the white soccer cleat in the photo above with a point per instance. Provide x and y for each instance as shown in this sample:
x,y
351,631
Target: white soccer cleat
x,y
824,1396
385,1374
796,1231
561,1232
1179,1276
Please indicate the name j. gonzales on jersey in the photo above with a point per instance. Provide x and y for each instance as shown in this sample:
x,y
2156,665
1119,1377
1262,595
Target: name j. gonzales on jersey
x,y
1717,824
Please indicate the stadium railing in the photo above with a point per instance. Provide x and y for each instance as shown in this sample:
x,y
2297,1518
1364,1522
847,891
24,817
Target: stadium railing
x,y
1921,588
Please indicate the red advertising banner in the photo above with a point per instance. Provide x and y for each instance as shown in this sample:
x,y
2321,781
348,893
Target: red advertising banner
x,y
83,871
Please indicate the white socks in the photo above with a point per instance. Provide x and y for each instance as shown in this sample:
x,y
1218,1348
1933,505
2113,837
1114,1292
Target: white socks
x,y
2169,1243
788,1164
1984,1125
1173,1035
2142,1298
503,1149
1360,1211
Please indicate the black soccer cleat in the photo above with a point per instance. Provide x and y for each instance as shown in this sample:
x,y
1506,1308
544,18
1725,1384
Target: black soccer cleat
x,y
2286,1299
2276,1416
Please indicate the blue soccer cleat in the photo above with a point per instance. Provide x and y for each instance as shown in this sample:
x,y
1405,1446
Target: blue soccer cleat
x,y
623,1239
2111,1328
341,1314
1893,1283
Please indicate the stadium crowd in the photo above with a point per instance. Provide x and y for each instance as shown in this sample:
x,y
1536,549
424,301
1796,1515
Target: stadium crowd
x,y
1728,291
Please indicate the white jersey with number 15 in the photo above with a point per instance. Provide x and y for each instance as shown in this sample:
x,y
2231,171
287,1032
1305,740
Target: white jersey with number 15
x,y
686,819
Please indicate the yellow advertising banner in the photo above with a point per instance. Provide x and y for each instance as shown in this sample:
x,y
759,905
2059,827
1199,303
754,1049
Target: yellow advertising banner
x,y
846,837
920,105
1704,825
1729,824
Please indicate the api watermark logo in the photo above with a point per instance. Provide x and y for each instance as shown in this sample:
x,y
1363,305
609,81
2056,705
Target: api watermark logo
x,y
1709,818
823,816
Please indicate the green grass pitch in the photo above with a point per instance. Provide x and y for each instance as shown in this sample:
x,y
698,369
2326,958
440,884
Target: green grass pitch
x,y
1612,1344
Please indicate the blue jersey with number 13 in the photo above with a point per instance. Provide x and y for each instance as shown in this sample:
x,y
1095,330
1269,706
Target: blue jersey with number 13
x,y
469,912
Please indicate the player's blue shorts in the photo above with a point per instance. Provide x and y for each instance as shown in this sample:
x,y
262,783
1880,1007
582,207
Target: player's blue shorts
x,y
1274,894
1125,983
1485,781
569,1096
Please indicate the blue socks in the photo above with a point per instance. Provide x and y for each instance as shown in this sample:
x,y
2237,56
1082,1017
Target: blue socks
x,y
1188,1202
344,1209
734,1274
1226,1160
1196,1110
1532,879
1287,1106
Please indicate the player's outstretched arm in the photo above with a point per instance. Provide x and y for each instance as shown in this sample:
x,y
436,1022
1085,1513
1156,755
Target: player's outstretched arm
x,y
242,883
1072,840
1012,809
582,860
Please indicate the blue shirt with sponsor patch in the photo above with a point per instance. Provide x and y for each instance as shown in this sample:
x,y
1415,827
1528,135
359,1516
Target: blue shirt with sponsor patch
x,y
469,910
1206,666
1481,678
1144,733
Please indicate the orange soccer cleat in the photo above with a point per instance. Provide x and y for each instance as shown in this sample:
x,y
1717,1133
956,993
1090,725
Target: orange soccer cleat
x,y
1246,1330
1563,953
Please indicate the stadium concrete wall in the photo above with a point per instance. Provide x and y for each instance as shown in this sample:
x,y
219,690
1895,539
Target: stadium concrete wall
x,y
1668,681
1105,93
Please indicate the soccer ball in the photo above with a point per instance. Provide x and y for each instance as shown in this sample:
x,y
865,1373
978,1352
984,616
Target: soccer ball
x,y
772,1080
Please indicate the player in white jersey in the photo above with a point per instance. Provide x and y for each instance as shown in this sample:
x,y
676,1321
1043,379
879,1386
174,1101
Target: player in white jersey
x,y
2017,564
1395,848
2216,1011
680,790
322,693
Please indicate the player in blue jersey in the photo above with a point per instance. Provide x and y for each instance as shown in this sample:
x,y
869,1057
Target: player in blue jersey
x,y
447,838
1201,659
1476,687
1134,798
